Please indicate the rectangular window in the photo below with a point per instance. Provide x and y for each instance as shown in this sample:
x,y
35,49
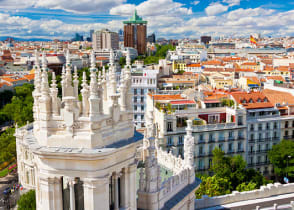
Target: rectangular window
x,y
142,108
135,99
135,91
240,120
142,91
180,141
230,147
135,117
220,146
201,137
239,146
210,137
169,126
142,99
169,141
251,127
135,108
201,150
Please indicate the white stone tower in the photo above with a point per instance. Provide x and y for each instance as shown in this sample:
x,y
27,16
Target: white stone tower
x,y
80,154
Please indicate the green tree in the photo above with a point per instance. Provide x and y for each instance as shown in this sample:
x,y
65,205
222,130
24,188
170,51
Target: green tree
x,y
282,157
27,201
246,187
213,186
227,102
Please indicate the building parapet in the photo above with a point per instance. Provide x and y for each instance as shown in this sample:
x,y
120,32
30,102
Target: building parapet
x,y
264,192
175,164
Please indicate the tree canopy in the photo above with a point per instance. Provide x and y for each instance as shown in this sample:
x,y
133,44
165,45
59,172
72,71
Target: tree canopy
x,y
27,201
282,157
230,174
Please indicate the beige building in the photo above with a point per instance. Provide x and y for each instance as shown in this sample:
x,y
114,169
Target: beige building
x,y
105,39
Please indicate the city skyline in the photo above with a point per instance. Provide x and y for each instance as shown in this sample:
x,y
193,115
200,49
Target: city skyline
x,y
167,18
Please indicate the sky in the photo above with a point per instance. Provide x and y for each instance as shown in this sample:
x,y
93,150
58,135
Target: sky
x,y
174,19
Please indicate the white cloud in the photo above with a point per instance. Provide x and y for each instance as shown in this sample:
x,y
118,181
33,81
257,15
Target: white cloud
x,y
232,2
76,6
153,8
239,13
195,2
216,8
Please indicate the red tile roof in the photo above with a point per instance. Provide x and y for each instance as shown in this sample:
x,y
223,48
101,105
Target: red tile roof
x,y
182,102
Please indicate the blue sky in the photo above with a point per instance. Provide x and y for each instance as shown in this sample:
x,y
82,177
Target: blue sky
x,y
167,18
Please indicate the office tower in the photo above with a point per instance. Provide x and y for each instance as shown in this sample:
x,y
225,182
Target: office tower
x,y
135,31
105,39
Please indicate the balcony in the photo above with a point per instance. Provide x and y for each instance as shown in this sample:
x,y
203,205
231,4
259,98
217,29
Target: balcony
x,y
230,152
276,138
231,138
201,169
288,137
201,142
221,139
211,141
201,155
251,141
240,138
239,151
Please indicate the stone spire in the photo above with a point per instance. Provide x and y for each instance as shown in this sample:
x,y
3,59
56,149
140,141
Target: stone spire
x,y
76,83
189,146
111,58
128,58
54,93
85,95
104,84
67,84
45,99
44,62
37,80
94,98
63,80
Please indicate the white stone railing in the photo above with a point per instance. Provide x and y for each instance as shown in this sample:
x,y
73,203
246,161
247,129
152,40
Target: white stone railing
x,y
209,127
168,160
264,192
173,185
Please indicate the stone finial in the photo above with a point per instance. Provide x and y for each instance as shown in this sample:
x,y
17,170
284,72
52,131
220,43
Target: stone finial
x,y
111,58
93,60
37,62
44,61
67,57
128,58
53,85
44,84
76,82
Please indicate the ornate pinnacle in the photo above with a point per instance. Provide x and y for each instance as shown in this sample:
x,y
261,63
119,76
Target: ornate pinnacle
x,y
44,61
128,57
67,57
93,61
111,58
53,85
37,62
76,77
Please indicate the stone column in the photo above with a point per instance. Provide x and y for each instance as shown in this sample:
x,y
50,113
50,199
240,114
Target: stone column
x,y
96,193
116,193
50,193
72,194
132,186
124,191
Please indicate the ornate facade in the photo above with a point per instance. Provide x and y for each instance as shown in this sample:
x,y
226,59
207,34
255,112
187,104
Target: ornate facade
x,y
80,152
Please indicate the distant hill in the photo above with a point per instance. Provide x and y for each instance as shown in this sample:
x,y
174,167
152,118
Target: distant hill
x,y
2,38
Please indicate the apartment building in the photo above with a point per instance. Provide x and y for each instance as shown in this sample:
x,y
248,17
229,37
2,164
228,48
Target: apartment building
x,y
263,128
221,127
144,80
